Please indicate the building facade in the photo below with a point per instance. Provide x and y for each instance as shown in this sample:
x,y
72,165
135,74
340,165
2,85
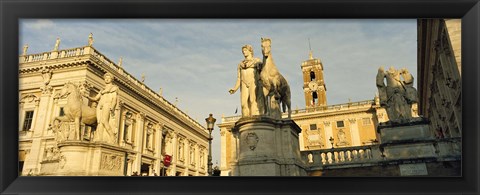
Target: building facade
x,y
440,75
155,136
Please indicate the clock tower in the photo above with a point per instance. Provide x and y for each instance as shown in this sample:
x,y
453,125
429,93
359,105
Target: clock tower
x,y
313,84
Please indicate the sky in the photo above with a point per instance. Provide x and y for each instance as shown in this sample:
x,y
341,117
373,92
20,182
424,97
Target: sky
x,y
195,60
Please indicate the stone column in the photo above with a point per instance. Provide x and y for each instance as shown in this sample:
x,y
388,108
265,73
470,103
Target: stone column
x,y
328,133
223,149
355,135
40,125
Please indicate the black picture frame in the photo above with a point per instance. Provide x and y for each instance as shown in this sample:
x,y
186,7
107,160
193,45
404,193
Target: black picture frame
x,y
12,11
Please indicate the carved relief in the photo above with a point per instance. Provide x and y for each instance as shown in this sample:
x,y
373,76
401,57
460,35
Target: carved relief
x,y
326,123
352,120
111,162
251,139
51,154
46,75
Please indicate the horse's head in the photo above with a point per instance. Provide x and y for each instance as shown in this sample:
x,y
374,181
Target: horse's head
x,y
266,47
67,89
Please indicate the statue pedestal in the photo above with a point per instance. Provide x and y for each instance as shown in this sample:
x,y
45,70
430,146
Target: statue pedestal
x,y
267,147
86,159
408,139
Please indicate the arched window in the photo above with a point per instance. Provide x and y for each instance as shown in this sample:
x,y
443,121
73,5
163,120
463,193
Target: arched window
x,y
312,75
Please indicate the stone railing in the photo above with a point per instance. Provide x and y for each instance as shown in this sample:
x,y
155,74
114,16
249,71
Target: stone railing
x,y
65,53
441,149
335,107
320,109
102,59
338,156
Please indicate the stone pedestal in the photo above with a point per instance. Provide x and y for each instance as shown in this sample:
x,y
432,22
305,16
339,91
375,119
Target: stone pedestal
x,y
79,158
406,140
267,147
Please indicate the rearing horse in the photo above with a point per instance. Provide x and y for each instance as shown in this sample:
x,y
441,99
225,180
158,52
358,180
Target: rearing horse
x,y
75,110
274,84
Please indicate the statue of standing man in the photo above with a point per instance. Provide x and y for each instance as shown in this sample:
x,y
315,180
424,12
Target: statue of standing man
x,y
248,80
107,101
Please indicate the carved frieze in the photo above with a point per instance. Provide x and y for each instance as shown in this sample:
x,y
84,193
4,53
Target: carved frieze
x,y
111,162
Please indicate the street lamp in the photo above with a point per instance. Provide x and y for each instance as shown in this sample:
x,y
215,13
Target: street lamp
x,y
210,122
331,141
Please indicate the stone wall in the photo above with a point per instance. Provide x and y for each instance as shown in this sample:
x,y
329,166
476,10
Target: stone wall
x,y
434,169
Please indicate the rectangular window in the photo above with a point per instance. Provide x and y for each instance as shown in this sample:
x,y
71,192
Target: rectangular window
x,y
27,122
126,136
366,121
62,112
313,126
340,124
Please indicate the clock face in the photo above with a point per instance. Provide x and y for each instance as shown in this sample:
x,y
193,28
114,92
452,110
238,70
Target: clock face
x,y
313,85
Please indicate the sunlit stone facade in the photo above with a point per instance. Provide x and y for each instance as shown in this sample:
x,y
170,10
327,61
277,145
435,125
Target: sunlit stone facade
x,y
147,127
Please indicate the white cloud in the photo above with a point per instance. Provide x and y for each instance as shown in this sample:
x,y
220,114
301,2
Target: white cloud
x,y
41,24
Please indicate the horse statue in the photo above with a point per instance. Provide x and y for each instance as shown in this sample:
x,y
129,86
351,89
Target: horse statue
x,y
274,84
398,95
75,110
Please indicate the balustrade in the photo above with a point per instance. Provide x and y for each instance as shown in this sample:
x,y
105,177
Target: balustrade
x,y
345,155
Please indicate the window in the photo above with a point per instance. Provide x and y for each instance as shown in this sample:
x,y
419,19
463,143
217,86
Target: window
x,y
27,122
62,112
314,98
126,136
340,124
312,75
366,121
313,126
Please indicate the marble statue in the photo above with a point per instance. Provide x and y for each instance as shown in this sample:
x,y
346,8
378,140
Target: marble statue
x,y
275,86
107,101
25,48
248,80
75,110
46,75
90,39
57,44
398,95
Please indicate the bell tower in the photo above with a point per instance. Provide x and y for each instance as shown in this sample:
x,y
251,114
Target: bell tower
x,y
313,84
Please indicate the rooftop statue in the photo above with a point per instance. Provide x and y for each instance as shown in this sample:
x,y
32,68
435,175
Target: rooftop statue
x,y
398,95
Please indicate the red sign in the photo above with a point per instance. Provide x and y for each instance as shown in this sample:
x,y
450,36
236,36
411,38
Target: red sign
x,y
167,159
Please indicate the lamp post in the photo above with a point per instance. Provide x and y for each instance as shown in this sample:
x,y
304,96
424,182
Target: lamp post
x,y
210,122
331,141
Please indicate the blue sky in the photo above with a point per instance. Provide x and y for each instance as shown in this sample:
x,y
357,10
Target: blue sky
x,y
196,59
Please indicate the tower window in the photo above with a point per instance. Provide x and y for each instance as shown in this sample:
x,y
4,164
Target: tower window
x,y
313,126
312,75
314,98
